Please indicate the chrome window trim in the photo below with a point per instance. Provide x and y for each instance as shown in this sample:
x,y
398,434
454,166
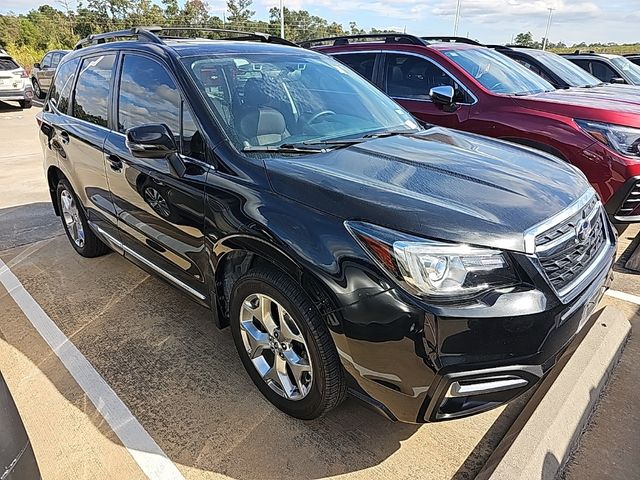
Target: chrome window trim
x,y
150,264
413,54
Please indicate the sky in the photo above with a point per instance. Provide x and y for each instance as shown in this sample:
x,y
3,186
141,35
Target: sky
x,y
489,21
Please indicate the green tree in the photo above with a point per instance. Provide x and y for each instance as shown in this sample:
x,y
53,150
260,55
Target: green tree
x,y
239,13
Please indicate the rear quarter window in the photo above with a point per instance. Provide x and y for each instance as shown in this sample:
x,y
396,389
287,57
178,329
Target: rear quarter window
x,y
63,83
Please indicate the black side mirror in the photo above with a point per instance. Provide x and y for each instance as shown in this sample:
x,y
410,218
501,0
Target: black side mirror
x,y
151,141
36,65
618,80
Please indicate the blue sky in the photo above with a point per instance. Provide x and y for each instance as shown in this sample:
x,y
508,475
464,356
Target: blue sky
x,y
490,21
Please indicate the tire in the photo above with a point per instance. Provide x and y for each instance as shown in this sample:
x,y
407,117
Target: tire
x,y
73,216
325,387
36,89
25,104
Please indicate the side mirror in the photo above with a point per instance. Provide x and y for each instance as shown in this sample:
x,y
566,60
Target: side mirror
x,y
618,80
36,65
442,95
151,141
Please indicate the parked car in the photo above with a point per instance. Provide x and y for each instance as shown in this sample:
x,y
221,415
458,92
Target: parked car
x,y
608,68
17,461
633,57
467,86
42,72
431,273
14,82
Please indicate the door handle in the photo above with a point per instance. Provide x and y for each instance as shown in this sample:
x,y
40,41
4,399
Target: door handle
x,y
64,136
115,162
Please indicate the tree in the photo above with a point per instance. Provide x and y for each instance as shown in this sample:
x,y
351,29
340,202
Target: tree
x,y
524,39
239,13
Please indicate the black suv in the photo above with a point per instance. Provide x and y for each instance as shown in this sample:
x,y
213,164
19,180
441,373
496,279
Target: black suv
x,y
431,273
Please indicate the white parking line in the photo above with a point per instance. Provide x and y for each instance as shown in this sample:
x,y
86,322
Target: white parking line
x,y
623,296
144,450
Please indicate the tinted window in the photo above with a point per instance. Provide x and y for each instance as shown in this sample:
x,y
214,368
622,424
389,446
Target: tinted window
x,y
62,85
409,76
46,61
603,71
629,69
360,62
7,64
55,59
147,95
584,64
91,96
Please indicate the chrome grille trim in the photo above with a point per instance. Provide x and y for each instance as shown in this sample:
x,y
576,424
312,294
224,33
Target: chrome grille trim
x,y
566,262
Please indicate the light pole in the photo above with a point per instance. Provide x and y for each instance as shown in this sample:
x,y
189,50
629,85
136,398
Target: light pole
x,y
546,33
457,20
282,18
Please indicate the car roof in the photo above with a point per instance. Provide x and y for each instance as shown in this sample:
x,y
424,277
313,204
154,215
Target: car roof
x,y
590,54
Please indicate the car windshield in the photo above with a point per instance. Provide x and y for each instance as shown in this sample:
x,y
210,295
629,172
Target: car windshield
x,y
272,100
630,69
566,70
497,72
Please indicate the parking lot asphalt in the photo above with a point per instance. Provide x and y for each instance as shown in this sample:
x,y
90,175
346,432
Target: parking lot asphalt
x,y
177,374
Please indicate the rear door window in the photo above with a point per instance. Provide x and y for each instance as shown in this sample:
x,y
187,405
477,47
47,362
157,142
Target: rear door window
x,y
91,97
62,85
363,63
55,59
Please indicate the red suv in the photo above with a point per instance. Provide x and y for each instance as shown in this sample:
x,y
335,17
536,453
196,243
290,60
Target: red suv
x,y
460,84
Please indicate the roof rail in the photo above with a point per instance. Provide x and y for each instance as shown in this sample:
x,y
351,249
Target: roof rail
x,y
388,38
145,33
153,35
243,36
448,39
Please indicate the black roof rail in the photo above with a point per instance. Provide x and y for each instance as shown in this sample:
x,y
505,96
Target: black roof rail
x,y
243,36
153,35
448,39
404,38
145,33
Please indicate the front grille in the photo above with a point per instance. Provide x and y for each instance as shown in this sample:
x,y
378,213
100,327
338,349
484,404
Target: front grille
x,y
566,250
631,204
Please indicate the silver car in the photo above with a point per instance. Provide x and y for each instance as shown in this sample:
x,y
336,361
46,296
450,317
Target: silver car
x,y
15,85
42,73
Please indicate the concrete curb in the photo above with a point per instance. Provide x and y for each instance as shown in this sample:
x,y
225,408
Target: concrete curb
x,y
541,439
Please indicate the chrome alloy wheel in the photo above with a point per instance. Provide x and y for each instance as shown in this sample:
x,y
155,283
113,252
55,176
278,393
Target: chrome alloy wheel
x,y
72,218
276,346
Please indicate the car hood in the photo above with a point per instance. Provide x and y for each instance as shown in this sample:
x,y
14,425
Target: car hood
x,y
441,184
606,104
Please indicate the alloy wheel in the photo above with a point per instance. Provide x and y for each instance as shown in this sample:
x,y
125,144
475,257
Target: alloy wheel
x,y
275,344
71,217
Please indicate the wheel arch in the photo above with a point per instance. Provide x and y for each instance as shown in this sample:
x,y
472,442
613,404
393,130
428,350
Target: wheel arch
x,y
236,254
543,147
54,175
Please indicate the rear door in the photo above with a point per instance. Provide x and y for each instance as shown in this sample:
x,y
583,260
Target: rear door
x,y
80,133
160,214
408,78
47,69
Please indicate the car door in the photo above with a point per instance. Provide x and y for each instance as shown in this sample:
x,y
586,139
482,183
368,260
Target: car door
x,y
47,69
408,78
160,212
80,129
603,71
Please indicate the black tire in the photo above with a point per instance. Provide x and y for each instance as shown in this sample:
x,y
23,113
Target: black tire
x,y
92,246
25,104
36,89
328,388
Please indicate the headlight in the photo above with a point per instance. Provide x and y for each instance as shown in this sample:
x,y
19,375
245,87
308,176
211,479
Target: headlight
x,y
433,268
624,140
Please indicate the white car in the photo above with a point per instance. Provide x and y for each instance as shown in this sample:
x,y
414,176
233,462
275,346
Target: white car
x,y
15,84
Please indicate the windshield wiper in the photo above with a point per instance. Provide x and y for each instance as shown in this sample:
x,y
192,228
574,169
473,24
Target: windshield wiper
x,y
286,148
354,141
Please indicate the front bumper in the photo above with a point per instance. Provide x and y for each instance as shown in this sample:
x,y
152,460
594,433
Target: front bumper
x,y
624,205
418,366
